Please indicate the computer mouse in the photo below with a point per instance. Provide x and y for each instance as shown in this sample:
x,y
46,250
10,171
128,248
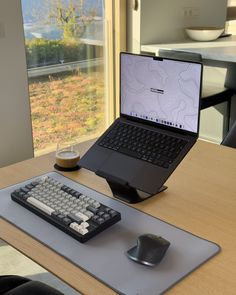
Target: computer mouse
x,y
150,249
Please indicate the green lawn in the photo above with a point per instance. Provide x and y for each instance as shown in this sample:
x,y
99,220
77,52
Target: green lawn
x,y
66,107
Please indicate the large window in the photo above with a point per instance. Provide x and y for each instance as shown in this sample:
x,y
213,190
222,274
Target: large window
x,y
64,42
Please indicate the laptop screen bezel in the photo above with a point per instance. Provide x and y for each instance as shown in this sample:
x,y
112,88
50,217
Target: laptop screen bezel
x,y
155,124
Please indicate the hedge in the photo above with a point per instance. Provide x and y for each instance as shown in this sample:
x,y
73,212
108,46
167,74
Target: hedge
x,y
42,52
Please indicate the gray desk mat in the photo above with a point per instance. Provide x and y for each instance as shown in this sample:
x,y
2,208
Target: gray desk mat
x,y
104,255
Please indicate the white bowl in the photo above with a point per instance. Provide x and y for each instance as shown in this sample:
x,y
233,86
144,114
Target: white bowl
x,y
204,33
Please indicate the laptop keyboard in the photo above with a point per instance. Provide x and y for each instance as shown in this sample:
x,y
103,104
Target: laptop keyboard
x,y
156,148
78,215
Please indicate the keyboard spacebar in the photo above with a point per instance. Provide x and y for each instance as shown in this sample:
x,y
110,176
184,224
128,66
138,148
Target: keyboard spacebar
x,y
129,152
40,205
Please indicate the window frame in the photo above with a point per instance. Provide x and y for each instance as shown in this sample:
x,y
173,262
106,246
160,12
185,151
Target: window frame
x,y
115,42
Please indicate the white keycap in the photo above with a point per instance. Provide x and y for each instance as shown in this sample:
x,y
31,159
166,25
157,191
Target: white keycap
x,y
96,205
40,205
91,201
86,199
83,231
82,216
44,178
75,226
82,197
84,224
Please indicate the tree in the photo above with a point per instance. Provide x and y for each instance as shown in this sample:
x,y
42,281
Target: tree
x,y
71,16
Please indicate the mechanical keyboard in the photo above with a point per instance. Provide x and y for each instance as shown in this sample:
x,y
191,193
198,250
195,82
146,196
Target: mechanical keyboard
x,y
78,215
151,146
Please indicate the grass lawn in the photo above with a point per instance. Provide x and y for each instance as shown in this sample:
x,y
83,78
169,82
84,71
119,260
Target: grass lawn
x,y
66,107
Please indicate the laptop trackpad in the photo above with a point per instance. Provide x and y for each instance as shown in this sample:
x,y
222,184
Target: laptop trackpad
x,y
121,166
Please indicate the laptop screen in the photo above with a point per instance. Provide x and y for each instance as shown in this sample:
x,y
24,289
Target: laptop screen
x,y
163,91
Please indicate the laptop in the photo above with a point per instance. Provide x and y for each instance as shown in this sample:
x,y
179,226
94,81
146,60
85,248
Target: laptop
x,y
159,111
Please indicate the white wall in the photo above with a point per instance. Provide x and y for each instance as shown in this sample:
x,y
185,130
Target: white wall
x,y
163,21
15,122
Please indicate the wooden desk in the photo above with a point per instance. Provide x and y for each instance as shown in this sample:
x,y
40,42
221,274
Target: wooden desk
x,y
201,198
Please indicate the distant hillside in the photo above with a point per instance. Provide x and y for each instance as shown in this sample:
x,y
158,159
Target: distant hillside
x,y
30,8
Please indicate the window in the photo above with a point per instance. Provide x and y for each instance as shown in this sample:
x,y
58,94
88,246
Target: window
x,y
67,69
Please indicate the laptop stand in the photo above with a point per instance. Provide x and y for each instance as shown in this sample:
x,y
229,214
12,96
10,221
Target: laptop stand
x,y
123,191
129,194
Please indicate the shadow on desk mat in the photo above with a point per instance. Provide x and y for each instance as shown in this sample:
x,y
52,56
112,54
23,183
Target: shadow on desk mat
x,y
104,256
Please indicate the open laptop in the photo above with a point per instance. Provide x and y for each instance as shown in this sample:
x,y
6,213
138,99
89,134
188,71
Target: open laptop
x,y
159,109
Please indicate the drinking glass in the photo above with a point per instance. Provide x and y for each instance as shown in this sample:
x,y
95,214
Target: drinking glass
x,y
67,155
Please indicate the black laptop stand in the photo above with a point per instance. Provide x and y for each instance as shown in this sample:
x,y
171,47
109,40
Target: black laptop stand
x,y
123,191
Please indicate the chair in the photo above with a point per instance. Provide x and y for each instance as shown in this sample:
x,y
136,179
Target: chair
x,y
230,138
211,94
16,285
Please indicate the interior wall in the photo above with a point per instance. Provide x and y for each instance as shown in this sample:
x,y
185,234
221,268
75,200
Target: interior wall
x,y
163,21
15,121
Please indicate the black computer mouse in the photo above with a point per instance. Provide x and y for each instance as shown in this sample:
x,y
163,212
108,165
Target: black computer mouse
x,y
150,249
